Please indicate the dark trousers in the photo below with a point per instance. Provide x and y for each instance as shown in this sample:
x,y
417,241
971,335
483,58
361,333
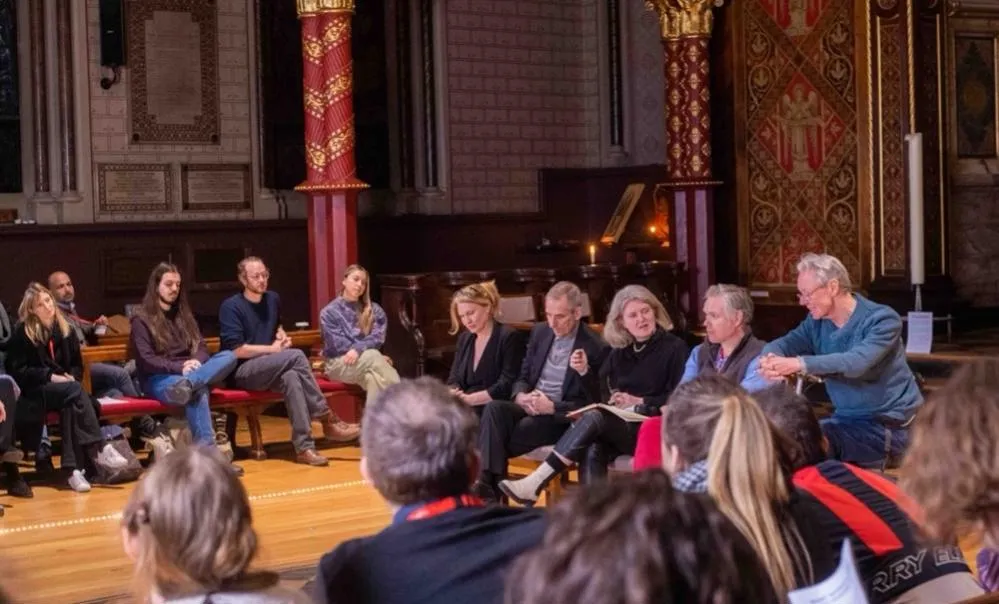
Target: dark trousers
x,y
507,431
595,440
77,418
7,426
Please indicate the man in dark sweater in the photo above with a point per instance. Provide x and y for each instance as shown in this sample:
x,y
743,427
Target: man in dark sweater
x,y
251,328
444,545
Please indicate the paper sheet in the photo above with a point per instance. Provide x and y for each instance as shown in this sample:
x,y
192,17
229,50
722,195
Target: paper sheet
x,y
842,587
920,334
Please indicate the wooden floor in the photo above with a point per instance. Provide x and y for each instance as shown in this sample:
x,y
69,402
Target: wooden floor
x,y
63,546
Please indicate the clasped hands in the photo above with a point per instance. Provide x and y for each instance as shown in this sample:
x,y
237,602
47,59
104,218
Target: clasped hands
x,y
774,367
61,378
535,402
281,342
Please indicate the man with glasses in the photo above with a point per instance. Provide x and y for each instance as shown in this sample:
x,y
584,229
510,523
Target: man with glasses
x,y
856,347
251,328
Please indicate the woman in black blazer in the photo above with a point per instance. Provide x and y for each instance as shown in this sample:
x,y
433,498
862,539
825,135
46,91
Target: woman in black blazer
x,y
43,356
489,354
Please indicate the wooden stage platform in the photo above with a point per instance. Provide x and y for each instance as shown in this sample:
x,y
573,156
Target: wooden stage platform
x,y
63,547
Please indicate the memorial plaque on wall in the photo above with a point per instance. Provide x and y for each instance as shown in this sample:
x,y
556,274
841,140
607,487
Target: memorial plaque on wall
x,y
125,271
134,188
173,71
209,187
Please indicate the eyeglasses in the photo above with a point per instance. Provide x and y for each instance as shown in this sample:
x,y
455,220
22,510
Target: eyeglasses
x,y
259,277
806,296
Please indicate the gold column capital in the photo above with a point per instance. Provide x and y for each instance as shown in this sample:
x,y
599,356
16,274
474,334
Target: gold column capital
x,y
309,8
679,18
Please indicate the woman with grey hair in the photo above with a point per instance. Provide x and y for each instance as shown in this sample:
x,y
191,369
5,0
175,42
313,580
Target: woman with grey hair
x,y
645,364
856,346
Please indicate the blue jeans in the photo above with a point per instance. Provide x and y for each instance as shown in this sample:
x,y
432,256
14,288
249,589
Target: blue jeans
x,y
199,416
866,443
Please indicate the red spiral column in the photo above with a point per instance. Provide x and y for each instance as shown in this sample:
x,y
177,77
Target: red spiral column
x,y
331,181
685,27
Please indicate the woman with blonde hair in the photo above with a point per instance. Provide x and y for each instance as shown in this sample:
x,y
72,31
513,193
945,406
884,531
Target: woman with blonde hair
x,y
644,365
717,440
488,355
353,329
188,529
43,356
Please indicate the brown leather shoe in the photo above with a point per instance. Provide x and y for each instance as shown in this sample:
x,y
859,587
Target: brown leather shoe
x,y
310,457
339,431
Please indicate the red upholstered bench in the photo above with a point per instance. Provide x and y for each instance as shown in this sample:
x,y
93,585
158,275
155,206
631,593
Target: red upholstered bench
x,y
346,400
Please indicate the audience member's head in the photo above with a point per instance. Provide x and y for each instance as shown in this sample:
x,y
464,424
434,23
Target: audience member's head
x,y
635,540
188,528
61,287
563,307
634,314
355,288
165,294
951,468
418,443
712,422
474,306
822,281
40,315
792,415
253,274
728,311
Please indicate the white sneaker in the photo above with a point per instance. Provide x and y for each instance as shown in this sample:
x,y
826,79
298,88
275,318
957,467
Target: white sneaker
x,y
78,483
109,457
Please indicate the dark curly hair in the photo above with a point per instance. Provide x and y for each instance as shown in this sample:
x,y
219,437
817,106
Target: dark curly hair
x,y
634,540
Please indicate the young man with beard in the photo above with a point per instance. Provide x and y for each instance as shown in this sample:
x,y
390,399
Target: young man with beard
x,y
170,355
251,329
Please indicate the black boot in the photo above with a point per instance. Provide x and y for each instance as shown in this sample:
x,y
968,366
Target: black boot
x,y
14,483
485,488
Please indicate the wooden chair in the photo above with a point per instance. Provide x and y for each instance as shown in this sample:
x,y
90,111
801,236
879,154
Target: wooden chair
x,y
529,462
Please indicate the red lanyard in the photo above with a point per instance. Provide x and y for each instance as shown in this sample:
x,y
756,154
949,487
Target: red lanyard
x,y
441,506
52,348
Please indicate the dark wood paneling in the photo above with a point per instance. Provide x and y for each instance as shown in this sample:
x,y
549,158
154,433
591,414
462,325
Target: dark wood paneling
x,y
576,206
105,261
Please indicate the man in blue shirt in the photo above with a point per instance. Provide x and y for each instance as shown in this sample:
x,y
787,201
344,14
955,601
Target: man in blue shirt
x,y
250,323
730,349
856,346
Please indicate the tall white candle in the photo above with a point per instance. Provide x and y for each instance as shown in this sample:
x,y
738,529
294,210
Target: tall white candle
x,y
917,250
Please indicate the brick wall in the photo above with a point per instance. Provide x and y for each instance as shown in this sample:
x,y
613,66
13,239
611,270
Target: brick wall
x,y
110,124
523,94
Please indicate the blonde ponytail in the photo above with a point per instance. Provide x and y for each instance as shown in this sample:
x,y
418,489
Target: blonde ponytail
x,y
712,419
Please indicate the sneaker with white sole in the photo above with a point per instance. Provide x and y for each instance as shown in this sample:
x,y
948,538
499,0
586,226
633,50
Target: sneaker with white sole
x,y
109,457
161,445
78,483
